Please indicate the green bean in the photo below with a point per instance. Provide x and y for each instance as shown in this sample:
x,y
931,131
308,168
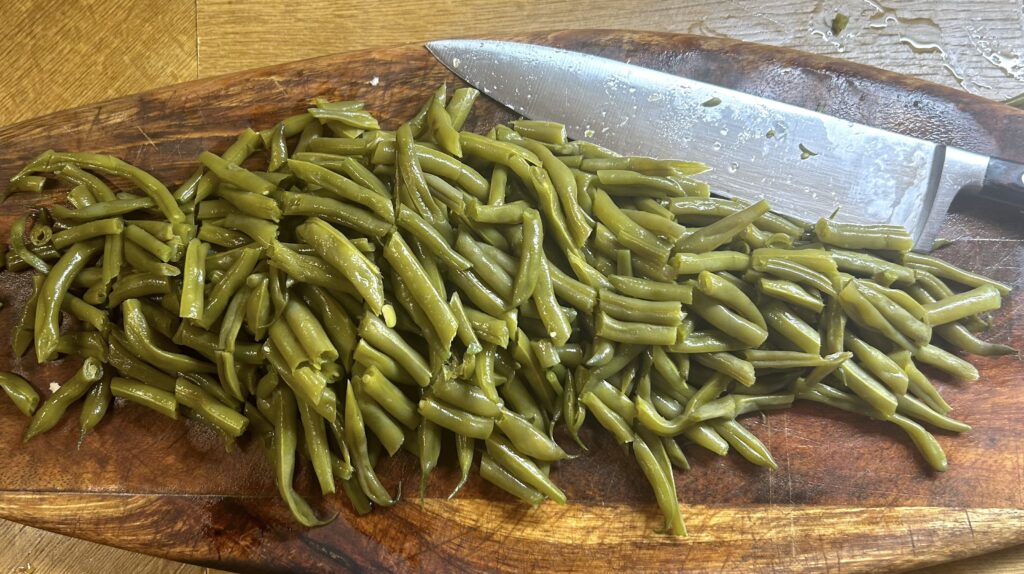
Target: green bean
x,y
136,286
633,332
861,236
140,393
657,224
650,454
959,336
193,280
222,237
401,258
865,386
88,230
722,231
368,356
794,329
556,323
441,128
52,292
315,436
715,287
146,241
95,406
924,441
946,362
815,259
524,469
862,311
652,290
745,443
547,132
494,473
310,332
459,107
919,384
878,364
465,331
530,261
608,418
464,452
335,248
144,261
729,322
221,415
629,233
911,407
20,391
26,183
791,293
902,320
96,318
107,209
231,173
286,342
110,165
577,220
736,368
431,238
631,309
490,271
472,399
214,209
390,397
376,333
948,271
78,177
83,344
335,211
344,188
978,300
694,263
53,408
17,243
140,341
80,196
252,204
220,295
456,420
282,455
797,273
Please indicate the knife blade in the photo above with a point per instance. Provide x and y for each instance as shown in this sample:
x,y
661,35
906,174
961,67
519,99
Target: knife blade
x,y
807,164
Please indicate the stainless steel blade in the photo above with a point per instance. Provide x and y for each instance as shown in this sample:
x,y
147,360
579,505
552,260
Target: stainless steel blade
x,y
756,147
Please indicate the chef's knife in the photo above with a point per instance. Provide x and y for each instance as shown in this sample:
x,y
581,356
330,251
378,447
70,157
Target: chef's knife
x,y
807,164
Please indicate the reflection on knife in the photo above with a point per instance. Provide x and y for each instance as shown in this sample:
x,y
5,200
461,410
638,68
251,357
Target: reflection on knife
x,y
807,164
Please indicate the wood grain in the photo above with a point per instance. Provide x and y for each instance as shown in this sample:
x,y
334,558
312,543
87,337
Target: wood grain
x,y
954,50
64,53
841,480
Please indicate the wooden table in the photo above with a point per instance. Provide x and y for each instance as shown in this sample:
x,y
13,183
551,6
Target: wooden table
x,y
60,54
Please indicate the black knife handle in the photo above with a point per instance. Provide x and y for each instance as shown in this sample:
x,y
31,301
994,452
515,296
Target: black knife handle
x,y
1004,181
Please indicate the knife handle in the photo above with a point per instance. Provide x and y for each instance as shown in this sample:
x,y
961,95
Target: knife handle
x,y
1004,181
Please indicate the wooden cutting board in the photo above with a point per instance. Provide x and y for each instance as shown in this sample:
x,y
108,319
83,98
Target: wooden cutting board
x,y
850,495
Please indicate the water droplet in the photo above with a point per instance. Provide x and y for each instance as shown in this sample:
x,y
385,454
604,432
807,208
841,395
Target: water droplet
x,y
733,167
588,133
655,97
724,131
375,81
716,146
456,62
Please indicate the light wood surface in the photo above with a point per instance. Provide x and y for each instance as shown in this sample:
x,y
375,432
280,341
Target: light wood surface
x,y
61,54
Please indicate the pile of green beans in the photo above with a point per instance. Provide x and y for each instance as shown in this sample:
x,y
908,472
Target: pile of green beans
x,y
428,288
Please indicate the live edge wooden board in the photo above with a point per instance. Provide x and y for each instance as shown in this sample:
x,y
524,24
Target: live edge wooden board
x,y
849,495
